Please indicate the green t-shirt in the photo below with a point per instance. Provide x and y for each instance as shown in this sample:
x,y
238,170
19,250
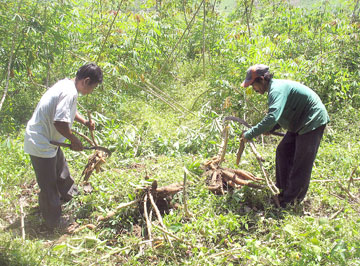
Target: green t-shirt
x,y
293,106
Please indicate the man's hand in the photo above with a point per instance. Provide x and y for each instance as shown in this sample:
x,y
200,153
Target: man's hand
x,y
64,129
90,124
243,137
76,144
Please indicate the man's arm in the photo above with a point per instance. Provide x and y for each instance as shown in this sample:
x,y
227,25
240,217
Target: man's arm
x,y
276,101
89,123
64,130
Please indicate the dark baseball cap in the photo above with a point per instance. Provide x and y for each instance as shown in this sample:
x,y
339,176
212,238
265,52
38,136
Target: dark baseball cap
x,y
254,72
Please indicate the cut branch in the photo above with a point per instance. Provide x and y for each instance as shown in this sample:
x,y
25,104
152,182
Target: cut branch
x,y
257,155
161,92
172,235
83,136
159,216
272,187
185,195
91,130
224,144
240,150
121,206
148,89
148,223
336,214
22,215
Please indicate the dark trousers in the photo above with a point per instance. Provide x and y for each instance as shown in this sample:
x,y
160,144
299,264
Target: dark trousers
x,y
56,184
295,156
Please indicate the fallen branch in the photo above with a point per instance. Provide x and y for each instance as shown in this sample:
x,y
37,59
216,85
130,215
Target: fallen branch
x,y
158,90
22,217
170,103
148,222
158,216
186,210
257,155
351,177
224,252
347,191
336,213
272,187
121,206
172,235
88,226
117,250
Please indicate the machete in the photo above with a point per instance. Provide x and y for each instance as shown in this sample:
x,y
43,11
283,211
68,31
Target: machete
x,y
85,148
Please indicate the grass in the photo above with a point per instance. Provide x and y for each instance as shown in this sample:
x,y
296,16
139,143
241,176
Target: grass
x,y
240,228
150,141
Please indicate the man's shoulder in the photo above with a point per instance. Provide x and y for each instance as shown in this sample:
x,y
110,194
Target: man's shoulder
x,y
64,86
278,86
285,82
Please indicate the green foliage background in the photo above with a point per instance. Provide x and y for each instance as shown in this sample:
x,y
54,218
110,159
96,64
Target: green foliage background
x,y
153,52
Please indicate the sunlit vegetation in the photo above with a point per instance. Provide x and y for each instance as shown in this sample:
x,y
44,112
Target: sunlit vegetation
x,y
172,72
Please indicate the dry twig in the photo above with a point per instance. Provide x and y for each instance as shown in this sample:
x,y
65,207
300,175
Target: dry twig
x,y
336,213
148,222
122,205
272,187
22,217
172,235
158,216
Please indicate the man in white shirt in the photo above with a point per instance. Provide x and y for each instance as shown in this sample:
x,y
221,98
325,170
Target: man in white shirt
x,y
52,121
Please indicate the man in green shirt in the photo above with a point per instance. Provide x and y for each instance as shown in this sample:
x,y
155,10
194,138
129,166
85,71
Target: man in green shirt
x,y
299,110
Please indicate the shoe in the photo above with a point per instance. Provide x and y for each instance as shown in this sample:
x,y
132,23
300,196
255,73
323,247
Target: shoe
x,y
61,226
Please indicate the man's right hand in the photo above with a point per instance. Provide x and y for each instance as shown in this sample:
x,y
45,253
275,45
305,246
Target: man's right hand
x,y
76,144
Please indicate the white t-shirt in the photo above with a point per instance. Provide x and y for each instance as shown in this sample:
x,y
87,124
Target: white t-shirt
x,y
57,104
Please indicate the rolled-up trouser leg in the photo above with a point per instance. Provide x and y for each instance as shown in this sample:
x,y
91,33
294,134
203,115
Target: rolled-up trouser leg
x,y
284,160
305,152
49,199
65,183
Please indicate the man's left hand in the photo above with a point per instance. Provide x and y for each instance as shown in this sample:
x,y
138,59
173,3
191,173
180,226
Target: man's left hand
x,y
90,124
243,136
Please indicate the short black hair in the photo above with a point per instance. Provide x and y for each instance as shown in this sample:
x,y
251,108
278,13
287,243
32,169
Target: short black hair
x,y
92,71
267,77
